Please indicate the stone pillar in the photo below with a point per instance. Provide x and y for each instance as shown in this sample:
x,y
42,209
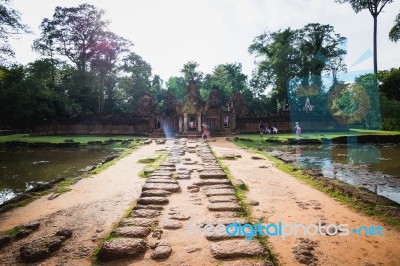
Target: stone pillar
x,y
199,122
233,122
180,129
185,123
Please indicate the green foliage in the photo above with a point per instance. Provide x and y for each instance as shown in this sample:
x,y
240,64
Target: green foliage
x,y
390,110
190,72
291,59
394,34
390,83
177,86
10,24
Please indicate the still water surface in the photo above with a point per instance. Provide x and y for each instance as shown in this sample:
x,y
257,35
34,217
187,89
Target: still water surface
x,y
21,169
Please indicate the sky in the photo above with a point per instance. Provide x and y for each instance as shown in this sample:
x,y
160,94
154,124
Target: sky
x,y
169,33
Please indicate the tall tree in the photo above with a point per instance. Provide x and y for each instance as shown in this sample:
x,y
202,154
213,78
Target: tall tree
x,y
375,7
136,83
279,61
10,24
81,34
229,79
394,34
190,71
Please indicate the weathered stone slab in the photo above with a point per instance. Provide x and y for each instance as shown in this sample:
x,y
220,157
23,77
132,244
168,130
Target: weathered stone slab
x,y
160,180
171,224
210,168
194,190
206,182
163,186
153,200
218,192
223,206
170,165
180,177
218,186
215,199
155,192
236,248
161,176
162,251
43,247
212,174
144,222
216,235
179,216
119,248
132,231
145,213
164,168
163,172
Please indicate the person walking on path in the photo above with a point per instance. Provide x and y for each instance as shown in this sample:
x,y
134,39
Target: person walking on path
x,y
298,129
261,128
206,132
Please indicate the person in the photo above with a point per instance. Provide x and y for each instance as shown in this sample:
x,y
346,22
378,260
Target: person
x,y
261,128
206,132
274,130
298,129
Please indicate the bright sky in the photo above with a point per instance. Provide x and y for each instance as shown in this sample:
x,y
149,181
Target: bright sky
x,y
168,33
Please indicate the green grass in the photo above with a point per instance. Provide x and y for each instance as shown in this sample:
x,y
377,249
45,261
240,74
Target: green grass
x,y
84,139
152,164
316,135
376,210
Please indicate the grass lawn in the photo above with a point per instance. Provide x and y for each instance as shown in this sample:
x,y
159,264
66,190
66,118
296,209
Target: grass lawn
x,y
318,135
59,139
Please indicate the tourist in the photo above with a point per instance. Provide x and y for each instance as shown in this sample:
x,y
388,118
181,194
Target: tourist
x,y
298,129
261,128
206,132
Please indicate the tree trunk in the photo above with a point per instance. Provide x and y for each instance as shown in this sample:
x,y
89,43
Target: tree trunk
x,y
375,45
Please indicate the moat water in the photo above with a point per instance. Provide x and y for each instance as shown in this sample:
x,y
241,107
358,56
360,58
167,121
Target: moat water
x,y
375,167
21,169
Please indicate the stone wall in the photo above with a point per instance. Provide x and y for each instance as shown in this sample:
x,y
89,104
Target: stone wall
x,y
112,126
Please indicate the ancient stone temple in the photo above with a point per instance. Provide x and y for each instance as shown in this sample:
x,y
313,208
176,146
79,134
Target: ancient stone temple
x,y
192,109
186,119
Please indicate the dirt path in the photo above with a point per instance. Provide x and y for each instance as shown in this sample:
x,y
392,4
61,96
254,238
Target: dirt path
x,y
90,209
283,198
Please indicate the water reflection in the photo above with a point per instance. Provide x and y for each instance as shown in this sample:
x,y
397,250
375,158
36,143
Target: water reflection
x,y
21,169
374,167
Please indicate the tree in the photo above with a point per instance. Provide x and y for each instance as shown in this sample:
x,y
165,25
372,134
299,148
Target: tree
x,y
390,83
229,79
394,34
178,87
136,83
375,7
291,59
81,34
10,24
190,71
279,61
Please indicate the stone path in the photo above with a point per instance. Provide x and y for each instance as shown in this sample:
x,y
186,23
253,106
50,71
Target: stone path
x,y
187,196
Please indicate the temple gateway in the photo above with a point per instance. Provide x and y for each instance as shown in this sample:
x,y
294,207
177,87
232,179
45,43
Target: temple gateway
x,y
186,119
